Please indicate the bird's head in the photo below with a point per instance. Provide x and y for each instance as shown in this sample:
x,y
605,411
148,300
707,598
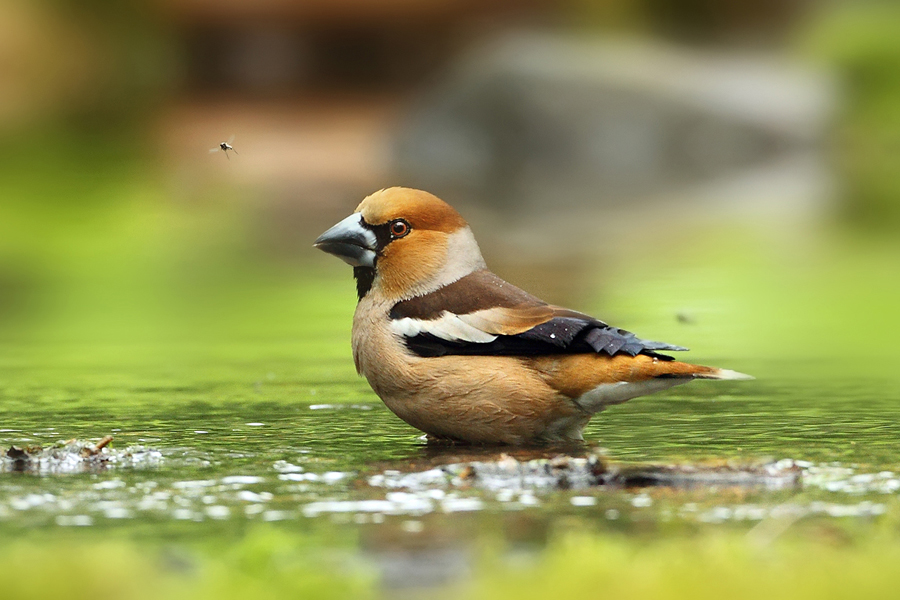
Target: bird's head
x,y
404,243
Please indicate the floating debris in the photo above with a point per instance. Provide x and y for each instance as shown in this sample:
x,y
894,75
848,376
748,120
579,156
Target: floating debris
x,y
580,473
75,456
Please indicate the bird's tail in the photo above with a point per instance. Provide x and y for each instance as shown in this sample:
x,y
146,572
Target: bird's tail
x,y
679,369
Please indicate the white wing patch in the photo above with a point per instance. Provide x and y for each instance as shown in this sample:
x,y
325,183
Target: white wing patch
x,y
448,327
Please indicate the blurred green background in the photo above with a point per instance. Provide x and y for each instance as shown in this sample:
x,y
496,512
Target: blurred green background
x,y
754,218
119,227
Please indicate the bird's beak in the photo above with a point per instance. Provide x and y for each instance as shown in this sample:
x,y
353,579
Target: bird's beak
x,y
350,241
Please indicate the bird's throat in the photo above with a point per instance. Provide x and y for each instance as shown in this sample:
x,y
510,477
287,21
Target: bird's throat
x,y
364,276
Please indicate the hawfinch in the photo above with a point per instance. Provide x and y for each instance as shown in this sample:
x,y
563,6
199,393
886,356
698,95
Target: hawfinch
x,y
461,354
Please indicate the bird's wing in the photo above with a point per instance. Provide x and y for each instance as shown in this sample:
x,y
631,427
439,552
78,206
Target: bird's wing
x,y
483,314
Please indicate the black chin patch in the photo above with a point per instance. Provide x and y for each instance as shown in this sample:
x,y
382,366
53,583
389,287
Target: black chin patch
x,y
364,277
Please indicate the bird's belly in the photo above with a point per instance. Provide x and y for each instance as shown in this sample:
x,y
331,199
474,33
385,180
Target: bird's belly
x,y
478,399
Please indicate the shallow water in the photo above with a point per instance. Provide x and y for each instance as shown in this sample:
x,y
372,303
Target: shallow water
x,y
190,463
202,466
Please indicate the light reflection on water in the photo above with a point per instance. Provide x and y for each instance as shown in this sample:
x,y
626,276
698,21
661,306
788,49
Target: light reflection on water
x,y
274,462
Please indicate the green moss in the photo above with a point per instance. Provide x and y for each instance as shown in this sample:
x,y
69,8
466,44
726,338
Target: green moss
x,y
714,567
267,563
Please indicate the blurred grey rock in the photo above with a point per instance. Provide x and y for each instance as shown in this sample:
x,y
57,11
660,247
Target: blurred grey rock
x,y
559,125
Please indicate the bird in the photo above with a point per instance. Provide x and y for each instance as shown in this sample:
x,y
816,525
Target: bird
x,y
466,357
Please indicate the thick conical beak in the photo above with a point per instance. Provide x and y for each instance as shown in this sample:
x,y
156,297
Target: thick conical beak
x,y
350,241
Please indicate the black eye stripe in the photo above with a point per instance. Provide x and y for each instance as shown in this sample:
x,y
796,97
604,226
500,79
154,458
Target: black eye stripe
x,y
383,235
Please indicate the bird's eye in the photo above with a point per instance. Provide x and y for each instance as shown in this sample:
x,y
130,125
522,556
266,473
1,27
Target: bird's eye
x,y
399,228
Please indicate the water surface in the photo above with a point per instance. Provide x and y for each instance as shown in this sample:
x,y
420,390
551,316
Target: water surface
x,y
217,464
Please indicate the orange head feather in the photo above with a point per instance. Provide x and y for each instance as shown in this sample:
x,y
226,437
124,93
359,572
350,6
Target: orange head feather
x,y
416,260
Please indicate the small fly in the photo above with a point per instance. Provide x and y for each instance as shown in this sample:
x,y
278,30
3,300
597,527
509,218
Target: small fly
x,y
224,147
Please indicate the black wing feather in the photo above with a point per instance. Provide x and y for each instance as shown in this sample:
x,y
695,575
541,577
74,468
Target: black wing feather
x,y
560,335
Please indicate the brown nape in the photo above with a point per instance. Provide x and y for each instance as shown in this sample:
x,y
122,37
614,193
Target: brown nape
x,y
421,209
577,374
477,291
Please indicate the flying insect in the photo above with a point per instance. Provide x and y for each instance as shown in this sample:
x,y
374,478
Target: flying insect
x,y
225,147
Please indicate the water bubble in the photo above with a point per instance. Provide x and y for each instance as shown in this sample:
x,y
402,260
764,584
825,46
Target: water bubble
x,y
241,480
412,526
74,520
641,501
583,501
218,512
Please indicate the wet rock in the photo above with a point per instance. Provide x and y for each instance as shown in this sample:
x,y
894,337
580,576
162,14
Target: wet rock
x,y
768,476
